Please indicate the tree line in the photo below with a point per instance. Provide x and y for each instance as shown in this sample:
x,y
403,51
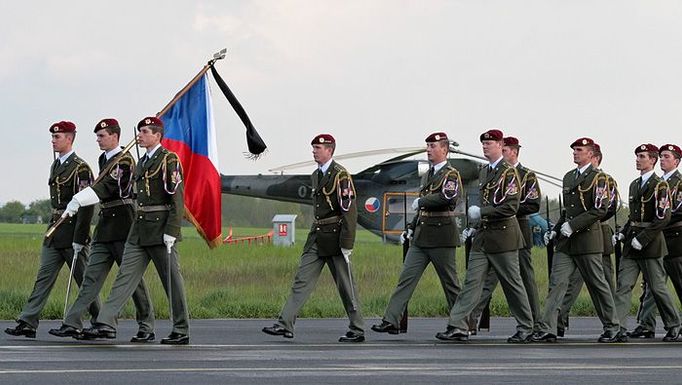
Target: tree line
x,y
236,211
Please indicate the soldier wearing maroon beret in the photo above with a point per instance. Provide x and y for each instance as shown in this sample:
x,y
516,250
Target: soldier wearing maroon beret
x,y
69,175
575,283
114,193
159,190
580,245
330,242
645,243
670,155
497,239
529,203
433,233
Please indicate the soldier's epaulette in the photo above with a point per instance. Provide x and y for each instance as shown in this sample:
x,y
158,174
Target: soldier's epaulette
x,y
126,160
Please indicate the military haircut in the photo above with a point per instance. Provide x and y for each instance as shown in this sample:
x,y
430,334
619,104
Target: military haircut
x,y
111,130
326,145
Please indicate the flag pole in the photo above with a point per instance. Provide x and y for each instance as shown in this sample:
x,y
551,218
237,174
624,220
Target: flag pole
x,y
216,56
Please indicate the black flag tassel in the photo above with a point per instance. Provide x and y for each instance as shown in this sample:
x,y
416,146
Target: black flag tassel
x,y
253,140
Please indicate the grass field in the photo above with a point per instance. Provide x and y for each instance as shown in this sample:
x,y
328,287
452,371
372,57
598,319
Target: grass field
x,y
251,281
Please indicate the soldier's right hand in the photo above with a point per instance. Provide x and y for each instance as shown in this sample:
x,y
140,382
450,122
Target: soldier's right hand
x,y
617,237
406,235
549,236
71,208
467,233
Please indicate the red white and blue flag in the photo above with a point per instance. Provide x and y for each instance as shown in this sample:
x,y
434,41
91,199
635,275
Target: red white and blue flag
x,y
189,131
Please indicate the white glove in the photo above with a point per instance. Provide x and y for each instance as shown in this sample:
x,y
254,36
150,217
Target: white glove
x,y
566,230
467,233
77,247
474,213
617,237
415,204
86,197
71,208
405,235
346,254
549,236
169,240
635,244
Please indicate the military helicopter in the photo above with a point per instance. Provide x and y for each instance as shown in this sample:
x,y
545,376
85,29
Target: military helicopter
x,y
385,191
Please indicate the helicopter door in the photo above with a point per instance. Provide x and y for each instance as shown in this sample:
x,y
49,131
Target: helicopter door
x,y
397,212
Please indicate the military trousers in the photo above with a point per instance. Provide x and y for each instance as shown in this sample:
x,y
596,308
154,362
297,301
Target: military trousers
x,y
309,270
135,261
591,269
647,314
102,257
528,278
416,261
51,262
653,272
506,266
575,285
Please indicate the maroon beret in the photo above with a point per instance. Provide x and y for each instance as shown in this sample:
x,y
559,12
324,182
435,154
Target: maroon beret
x,y
492,134
511,141
323,139
107,123
647,147
63,126
436,137
583,142
150,121
675,149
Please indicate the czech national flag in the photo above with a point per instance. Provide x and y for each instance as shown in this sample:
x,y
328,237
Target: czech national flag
x,y
189,131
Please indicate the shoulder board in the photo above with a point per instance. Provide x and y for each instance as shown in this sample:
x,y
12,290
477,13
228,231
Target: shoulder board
x,y
172,156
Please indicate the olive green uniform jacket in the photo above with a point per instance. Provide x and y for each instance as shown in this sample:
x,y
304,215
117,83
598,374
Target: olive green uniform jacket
x,y
335,211
499,230
115,193
649,215
159,192
66,179
585,203
435,225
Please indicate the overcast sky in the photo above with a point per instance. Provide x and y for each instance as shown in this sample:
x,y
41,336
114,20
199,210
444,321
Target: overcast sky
x,y
375,74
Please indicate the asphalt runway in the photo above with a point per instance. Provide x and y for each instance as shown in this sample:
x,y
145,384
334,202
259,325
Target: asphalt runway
x,y
237,352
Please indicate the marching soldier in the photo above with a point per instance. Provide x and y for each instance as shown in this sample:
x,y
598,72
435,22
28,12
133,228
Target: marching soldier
x,y
670,160
433,232
69,175
575,283
496,243
330,242
114,192
528,204
645,245
580,246
160,207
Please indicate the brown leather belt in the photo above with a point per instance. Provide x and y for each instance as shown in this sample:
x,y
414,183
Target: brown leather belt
x,y
151,209
117,202
497,220
327,221
674,225
436,213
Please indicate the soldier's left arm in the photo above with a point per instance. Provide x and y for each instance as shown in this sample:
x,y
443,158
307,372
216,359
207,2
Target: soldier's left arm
x,y
446,195
81,233
661,214
348,209
530,195
508,205
174,186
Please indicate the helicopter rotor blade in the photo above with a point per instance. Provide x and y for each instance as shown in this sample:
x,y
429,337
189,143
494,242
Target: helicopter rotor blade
x,y
404,151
